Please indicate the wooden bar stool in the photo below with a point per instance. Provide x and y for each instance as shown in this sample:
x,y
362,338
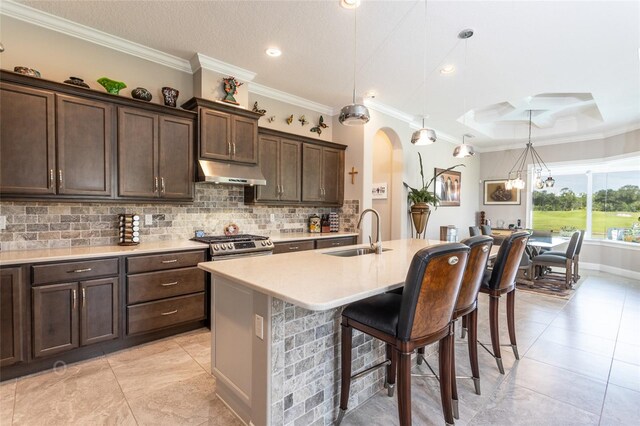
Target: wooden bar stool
x,y
498,281
418,317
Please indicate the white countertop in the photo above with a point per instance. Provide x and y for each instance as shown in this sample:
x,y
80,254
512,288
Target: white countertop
x,y
297,236
14,257
318,281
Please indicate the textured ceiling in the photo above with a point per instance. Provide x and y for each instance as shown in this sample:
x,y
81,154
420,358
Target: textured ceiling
x,y
520,49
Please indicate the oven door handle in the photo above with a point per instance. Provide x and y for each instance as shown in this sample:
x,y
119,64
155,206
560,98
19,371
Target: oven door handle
x,y
241,255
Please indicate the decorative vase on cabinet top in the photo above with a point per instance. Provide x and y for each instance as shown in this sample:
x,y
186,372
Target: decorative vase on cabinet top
x,y
170,96
27,71
112,86
141,93
76,81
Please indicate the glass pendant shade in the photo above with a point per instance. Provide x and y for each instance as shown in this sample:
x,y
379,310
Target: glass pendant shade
x,y
423,137
464,150
354,115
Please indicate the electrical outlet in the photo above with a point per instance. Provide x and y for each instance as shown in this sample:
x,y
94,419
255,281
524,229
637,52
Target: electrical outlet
x,y
3,222
148,219
259,326
272,217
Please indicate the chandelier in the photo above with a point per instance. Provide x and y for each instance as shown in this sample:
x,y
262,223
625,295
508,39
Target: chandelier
x,y
519,168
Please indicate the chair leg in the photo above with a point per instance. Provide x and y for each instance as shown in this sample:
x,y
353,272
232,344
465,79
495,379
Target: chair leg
x,y
465,327
404,388
445,379
345,384
454,385
511,321
576,275
420,355
390,383
495,335
568,273
473,348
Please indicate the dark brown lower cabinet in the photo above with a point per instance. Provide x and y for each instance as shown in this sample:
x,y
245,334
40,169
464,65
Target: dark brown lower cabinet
x,y
99,310
55,319
11,316
69,315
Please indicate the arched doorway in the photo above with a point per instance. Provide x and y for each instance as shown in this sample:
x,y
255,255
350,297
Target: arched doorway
x,y
387,192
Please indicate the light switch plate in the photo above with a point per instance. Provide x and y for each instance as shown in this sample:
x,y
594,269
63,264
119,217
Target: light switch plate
x,y
3,222
148,219
259,326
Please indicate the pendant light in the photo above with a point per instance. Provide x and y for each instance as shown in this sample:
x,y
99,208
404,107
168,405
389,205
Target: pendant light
x,y
424,136
354,114
518,170
464,150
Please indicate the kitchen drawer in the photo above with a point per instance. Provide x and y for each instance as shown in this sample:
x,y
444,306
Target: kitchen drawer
x,y
74,271
165,313
159,262
335,242
293,246
158,285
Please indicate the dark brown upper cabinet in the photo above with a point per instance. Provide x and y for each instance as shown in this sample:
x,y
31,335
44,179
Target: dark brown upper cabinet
x,y
227,133
27,140
11,316
155,155
322,174
279,160
80,133
298,170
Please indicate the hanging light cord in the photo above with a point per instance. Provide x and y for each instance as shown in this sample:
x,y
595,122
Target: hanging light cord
x,y
424,65
464,88
355,50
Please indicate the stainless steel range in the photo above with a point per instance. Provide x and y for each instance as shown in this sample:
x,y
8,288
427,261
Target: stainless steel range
x,y
233,246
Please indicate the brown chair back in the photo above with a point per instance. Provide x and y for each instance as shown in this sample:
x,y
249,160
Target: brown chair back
x,y
480,249
431,290
508,260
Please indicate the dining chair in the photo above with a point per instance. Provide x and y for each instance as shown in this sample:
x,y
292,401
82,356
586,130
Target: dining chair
x,y
560,260
486,229
421,315
500,280
474,231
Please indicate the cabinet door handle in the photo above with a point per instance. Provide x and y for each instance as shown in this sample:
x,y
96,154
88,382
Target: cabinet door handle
x,y
170,261
50,178
228,148
155,184
281,189
175,311
75,298
84,297
169,284
60,177
77,271
234,149
162,184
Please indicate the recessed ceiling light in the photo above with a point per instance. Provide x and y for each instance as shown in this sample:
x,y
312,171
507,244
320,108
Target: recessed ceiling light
x,y
273,52
447,69
349,4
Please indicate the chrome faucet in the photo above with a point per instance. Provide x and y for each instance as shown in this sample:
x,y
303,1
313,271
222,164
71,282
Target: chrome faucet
x,y
377,246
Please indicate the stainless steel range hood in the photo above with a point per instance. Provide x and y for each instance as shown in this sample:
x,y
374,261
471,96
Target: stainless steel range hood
x,y
230,173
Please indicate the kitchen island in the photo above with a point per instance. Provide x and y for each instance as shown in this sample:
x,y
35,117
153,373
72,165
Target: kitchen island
x,y
276,330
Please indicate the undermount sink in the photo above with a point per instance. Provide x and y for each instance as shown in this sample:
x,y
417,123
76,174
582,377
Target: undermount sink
x,y
354,252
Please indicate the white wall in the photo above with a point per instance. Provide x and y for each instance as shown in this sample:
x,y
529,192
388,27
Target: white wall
x,y
383,173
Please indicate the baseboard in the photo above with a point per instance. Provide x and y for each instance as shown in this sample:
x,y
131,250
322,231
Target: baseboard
x,y
611,270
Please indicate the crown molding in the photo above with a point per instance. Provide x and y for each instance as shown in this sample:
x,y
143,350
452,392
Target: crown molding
x,y
627,128
73,29
389,110
288,98
208,63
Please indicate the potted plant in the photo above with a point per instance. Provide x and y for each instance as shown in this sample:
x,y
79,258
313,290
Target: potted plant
x,y
422,198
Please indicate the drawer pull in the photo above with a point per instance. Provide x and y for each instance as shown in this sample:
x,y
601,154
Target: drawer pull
x,y
175,311
169,284
77,271
336,244
294,248
170,261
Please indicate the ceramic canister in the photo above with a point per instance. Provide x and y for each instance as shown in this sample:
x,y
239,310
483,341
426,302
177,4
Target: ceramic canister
x,y
314,223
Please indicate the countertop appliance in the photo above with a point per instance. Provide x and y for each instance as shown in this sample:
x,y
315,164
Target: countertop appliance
x,y
234,246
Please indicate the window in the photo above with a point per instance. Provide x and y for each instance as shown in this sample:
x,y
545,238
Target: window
x,y
603,199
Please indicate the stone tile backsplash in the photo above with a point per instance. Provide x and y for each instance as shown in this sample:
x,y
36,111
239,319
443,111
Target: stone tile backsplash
x,y
32,225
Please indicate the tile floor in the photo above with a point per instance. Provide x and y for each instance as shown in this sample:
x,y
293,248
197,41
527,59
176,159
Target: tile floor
x,y
580,364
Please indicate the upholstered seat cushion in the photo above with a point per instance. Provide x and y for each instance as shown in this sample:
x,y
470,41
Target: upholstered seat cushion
x,y
551,258
555,253
380,312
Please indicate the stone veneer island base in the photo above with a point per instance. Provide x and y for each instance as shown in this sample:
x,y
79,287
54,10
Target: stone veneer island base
x,y
276,330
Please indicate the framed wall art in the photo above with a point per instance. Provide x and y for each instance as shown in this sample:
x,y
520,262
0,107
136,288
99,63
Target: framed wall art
x,y
496,193
447,187
379,191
